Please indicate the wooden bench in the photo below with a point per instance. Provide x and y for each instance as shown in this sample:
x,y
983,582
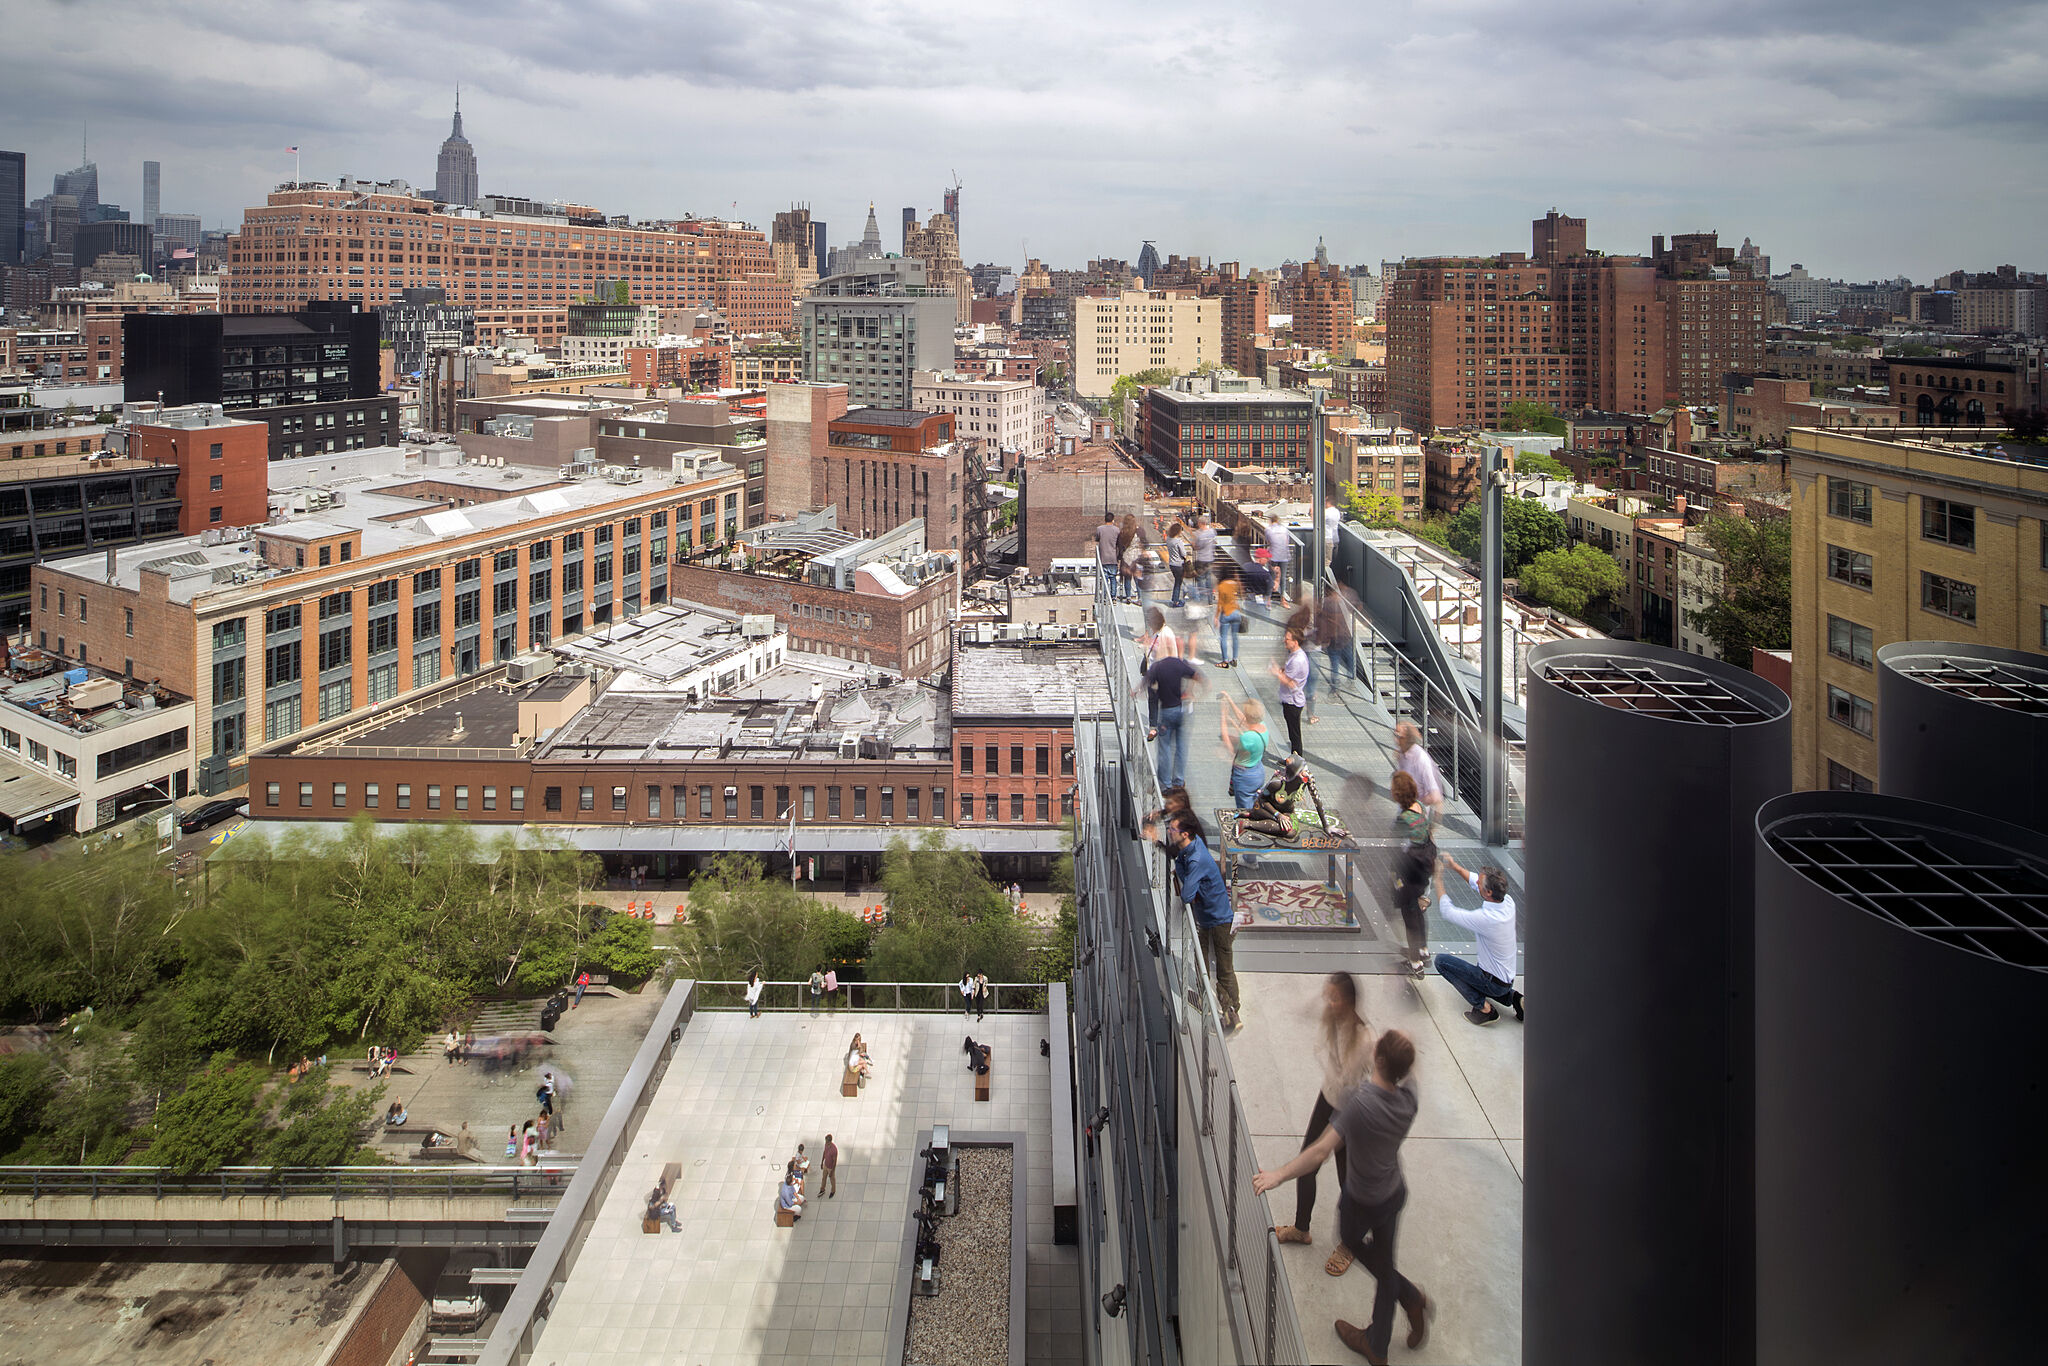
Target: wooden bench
x,y
784,1218
982,1079
851,1080
670,1174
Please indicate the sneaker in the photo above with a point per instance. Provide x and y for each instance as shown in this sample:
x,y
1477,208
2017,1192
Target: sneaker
x,y
1482,1017
1517,1003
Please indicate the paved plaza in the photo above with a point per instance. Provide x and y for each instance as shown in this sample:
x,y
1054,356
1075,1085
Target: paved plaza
x,y
738,1097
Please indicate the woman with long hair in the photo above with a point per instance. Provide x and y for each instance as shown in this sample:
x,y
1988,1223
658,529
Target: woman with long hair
x,y
1229,618
1159,641
1244,732
753,995
1344,1052
1130,556
1180,553
1414,865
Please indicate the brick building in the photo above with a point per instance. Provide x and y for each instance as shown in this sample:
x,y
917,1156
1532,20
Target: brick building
x,y
1228,418
518,263
1246,303
1014,703
680,363
1324,316
799,417
756,365
1761,409
1967,391
1000,413
392,576
1061,498
883,466
222,462
881,621
88,352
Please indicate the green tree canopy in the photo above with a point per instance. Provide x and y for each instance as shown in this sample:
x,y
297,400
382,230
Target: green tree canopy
x,y
1540,462
214,1122
1526,415
1754,611
743,921
1572,579
1527,530
1129,387
945,917
1377,510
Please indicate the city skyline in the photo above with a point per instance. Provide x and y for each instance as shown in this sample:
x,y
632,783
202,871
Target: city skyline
x,y
1230,136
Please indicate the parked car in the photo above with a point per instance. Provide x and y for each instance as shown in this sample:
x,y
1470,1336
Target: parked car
x,y
209,814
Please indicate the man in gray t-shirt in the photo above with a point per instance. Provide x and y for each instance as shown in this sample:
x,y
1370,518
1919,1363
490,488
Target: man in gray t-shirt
x,y
1370,1125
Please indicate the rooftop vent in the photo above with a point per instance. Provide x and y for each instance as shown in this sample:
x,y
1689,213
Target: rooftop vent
x,y
1663,689
1999,683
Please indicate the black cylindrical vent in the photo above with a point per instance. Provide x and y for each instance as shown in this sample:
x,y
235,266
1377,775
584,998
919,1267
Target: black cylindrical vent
x,y
1902,1172
1646,767
1965,726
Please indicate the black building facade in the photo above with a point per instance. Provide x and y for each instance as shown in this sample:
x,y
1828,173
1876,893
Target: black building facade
x,y
79,510
311,376
111,238
423,321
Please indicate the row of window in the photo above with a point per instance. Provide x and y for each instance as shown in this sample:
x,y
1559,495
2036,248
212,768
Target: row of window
x,y
402,798
1041,766
1941,520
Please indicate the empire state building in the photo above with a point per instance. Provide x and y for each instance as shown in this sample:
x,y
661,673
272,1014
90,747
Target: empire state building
x,y
455,171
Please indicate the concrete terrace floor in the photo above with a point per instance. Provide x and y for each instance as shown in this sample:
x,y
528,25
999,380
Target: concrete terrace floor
x,y
738,1097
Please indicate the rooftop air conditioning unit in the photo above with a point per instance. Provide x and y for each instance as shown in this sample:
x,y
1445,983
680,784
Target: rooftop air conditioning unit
x,y
849,747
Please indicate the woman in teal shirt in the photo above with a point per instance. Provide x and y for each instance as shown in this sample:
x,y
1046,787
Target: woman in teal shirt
x,y
1244,730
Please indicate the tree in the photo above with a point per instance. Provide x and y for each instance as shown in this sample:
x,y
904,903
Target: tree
x,y
213,1123
322,1124
1540,462
1754,611
1572,579
1377,510
1527,530
742,920
28,1083
1130,387
945,917
1525,415
624,947
622,292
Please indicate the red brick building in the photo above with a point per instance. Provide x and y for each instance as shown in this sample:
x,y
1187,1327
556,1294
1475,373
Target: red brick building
x,y
696,365
223,465
883,466
1324,316
1014,703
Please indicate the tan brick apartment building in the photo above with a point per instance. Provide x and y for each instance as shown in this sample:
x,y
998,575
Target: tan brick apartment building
x,y
1138,330
1898,537
520,270
1467,336
1967,391
384,584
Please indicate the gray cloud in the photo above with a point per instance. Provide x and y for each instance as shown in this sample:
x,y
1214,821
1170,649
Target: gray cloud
x,y
1863,139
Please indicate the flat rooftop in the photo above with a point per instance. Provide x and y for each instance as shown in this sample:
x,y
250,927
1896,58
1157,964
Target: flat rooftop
x,y
738,1097
1028,678
672,728
38,682
663,643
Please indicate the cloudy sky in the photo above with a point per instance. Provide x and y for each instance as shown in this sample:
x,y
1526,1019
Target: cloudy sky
x,y
1865,138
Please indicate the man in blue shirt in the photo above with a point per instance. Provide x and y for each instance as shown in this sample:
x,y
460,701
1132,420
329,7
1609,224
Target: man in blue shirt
x,y
1201,887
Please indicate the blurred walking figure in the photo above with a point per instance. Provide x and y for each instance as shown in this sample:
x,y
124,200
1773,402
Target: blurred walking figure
x,y
1370,1126
1293,672
1173,683
1413,759
1414,866
1244,731
1344,1053
1333,633
1280,550
1159,641
1180,554
1106,549
1229,617
1205,557
1130,557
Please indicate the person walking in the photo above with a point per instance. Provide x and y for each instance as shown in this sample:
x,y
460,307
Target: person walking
x,y
1173,683
831,990
1179,555
1229,618
817,986
981,995
753,995
966,994
1159,641
1202,888
1370,1126
1205,556
1343,1051
1106,549
828,1168
1414,864
1130,557
1412,758
1334,634
1280,554
1244,731
1492,978
1293,672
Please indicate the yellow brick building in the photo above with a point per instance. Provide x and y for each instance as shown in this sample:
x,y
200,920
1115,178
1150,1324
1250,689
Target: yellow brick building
x,y
1907,535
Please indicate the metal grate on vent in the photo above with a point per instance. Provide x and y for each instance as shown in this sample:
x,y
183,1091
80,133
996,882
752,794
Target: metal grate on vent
x,y
1958,891
1674,694
2012,686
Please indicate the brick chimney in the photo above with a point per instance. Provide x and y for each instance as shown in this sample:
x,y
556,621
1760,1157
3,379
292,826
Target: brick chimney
x,y
1681,431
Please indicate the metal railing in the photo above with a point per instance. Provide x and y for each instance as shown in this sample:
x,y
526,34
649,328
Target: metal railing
x,y
1025,998
339,1183
1255,1290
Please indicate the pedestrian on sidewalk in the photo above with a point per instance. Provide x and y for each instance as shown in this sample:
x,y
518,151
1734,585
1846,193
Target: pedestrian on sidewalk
x,y
1180,553
1412,758
817,985
1293,673
1229,618
831,990
966,993
1160,641
1280,554
753,995
1173,684
1343,1051
828,1168
1414,865
1106,549
1370,1126
1334,634
1244,732
1302,621
1202,574
981,995
1492,978
1202,888
1130,557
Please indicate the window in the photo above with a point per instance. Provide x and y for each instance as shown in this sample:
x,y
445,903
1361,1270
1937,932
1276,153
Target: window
x,y
586,799
230,735
967,759
653,803
426,619
305,794
405,796
1842,779
281,664
518,799
1066,761
433,796
1940,520
832,802
1848,499
1016,759
336,648
1066,806
991,757
490,799
994,807
270,794
281,718
1846,708
1044,807
425,582
369,796
1948,597
754,803
334,605
228,635
1847,640
810,803
1043,766
128,620
732,803
704,803
462,798
966,806
860,803
336,699
551,798
1849,566
1016,806
618,799
888,795
938,803
230,679
910,803
426,667
340,796
383,683
277,619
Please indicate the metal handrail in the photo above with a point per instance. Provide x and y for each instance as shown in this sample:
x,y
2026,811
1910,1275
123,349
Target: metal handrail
x,y
1026,998
340,1183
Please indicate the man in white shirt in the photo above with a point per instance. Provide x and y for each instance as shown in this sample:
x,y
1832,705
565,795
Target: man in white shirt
x,y
1492,978
1205,558
1413,759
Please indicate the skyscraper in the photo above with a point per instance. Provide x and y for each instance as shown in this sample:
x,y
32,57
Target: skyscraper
x,y
455,171
13,206
953,207
83,185
1148,263
909,225
152,192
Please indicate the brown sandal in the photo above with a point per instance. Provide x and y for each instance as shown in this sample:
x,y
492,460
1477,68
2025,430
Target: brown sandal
x,y
1340,1261
1288,1233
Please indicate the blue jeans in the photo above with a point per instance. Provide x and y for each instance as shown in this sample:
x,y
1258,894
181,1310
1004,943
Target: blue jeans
x,y
1343,662
1473,982
1227,627
1173,746
1245,784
